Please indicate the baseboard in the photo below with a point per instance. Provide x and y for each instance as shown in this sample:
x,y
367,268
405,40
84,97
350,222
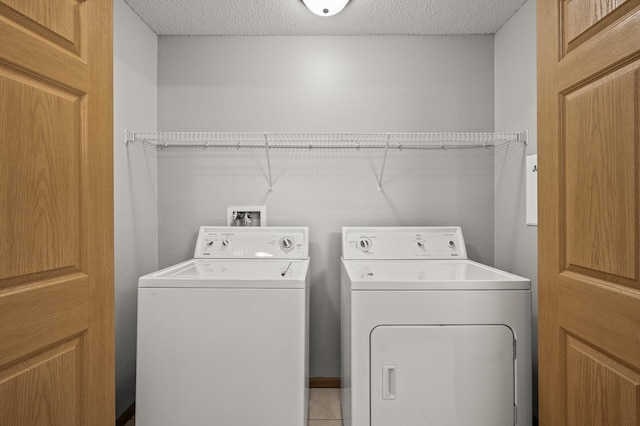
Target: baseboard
x,y
324,382
126,415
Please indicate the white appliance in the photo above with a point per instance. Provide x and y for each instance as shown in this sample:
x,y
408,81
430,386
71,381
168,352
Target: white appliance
x,y
223,337
429,337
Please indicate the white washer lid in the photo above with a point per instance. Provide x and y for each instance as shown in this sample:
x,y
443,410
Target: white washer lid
x,y
230,273
429,275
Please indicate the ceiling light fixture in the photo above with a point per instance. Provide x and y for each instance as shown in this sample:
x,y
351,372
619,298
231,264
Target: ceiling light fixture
x,y
325,7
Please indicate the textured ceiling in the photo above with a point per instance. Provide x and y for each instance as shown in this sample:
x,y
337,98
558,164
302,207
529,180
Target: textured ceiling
x,y
291,17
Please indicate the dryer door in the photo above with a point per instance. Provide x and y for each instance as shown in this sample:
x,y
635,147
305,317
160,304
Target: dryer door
x,y
451,375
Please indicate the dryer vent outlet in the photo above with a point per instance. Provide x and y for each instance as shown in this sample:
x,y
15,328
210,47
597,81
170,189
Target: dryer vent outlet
x,y
246,216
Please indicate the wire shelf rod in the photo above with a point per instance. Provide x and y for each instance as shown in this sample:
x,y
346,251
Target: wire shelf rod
x,y
325,140
337,147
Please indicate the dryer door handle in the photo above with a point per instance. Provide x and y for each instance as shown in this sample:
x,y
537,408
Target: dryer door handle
x,y
388,382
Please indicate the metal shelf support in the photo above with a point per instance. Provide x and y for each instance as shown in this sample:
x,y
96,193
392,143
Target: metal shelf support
x,y
266,146
384,163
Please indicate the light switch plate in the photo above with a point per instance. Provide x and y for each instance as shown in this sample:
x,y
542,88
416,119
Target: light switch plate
x,y
532,190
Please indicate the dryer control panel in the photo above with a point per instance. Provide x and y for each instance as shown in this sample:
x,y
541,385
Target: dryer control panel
x,y
403,242
232,242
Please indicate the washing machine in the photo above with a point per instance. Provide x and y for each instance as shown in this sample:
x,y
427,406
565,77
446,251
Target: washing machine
x,y
223,337
430,337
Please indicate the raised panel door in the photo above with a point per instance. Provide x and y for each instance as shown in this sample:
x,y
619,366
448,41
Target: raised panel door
x,y
56,213
589,215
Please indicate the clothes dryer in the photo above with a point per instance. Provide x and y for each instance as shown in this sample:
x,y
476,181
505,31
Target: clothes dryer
x,y
429,337
223,337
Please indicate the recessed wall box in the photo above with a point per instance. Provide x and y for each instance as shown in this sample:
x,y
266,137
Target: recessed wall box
x,y
247,216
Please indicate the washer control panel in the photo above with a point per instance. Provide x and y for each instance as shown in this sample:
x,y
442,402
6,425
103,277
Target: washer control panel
x,y
426,242
231,242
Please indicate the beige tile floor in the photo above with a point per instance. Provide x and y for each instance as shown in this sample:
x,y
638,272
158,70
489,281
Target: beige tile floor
x,y
324,408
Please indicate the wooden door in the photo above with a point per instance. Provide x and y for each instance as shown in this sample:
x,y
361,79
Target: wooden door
x,y
56,209
589,233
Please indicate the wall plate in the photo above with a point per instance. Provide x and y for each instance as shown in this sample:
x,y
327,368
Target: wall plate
x,y
532,190
247,216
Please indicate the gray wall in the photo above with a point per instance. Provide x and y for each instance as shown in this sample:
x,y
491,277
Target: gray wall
x,y
135,184
326,84
516,243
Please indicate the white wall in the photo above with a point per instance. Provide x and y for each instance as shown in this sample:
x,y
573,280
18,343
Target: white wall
x,y
326,84
135,184
516,244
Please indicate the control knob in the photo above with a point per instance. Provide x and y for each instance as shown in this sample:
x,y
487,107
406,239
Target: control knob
x,y
225,242
364,244
286,243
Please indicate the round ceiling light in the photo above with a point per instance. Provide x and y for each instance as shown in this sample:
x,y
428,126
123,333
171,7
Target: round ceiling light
x,y
325,7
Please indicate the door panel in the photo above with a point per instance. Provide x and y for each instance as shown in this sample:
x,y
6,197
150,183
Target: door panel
x,y
592,309
58,21
609,46
589,215
589,372
44,390
600,187
442,375
25,49
585,18
40,229
63,302
56,213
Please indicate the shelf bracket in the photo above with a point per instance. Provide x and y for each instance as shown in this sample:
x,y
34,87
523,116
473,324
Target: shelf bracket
x,y
384,162
266,147
524,137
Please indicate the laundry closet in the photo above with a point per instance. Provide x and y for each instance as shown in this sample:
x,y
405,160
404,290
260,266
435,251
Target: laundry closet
x,y
327,86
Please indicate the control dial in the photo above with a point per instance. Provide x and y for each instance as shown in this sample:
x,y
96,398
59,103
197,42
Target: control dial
x,y
420,244
225,242
364,244
452,244
286,243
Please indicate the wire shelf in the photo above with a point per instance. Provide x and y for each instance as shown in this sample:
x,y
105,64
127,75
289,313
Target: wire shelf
x,y
325,140
270,141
